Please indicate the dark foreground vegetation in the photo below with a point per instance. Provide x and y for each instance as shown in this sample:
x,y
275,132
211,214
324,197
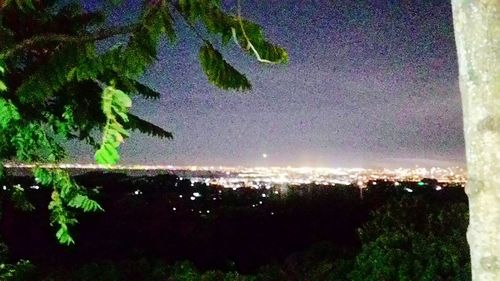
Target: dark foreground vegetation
x,y
165,228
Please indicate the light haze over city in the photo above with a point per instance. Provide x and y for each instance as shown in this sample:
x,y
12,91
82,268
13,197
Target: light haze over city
x,y
369,84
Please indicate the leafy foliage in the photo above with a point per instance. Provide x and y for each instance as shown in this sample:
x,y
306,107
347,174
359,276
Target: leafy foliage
x,y
51,77
145,91
66,195
115,105
136,123
418,243
248,35
219,72
8,113
58,61
3,87
417,236
251,38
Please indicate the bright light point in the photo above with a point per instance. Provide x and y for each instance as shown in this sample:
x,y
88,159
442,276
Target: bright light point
x,y
420,183
260,202
180,196
137,192
408,189
264,155
438,187
276,192
34,187
174,208
264,195
396,183
4,187
208,211
272,213
196,194
192,198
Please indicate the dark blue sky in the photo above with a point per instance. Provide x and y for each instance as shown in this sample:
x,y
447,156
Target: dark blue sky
x,y
369,83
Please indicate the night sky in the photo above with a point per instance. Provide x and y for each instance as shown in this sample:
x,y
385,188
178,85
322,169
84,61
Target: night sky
x,y
369,83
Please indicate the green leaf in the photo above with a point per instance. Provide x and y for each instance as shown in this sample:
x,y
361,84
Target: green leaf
x,y
85,203
120,112
64,236
168,24
251,38
118,129
115,103
71,74
219,72
103,156
192,9
8,113
248,35
136,123
121,99
42,176
146,91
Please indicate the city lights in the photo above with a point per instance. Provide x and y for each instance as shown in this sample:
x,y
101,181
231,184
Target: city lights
x,y
266,177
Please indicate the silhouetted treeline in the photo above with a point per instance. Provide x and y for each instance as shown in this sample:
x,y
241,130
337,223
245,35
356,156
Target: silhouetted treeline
x,y
289,233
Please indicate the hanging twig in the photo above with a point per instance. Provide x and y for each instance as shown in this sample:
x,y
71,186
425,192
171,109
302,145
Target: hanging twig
x,y
249,43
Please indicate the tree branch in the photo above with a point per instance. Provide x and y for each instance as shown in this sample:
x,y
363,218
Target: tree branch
x,y
249,44
64,38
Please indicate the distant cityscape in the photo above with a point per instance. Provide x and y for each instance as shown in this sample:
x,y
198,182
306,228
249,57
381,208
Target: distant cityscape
x,y
259,177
